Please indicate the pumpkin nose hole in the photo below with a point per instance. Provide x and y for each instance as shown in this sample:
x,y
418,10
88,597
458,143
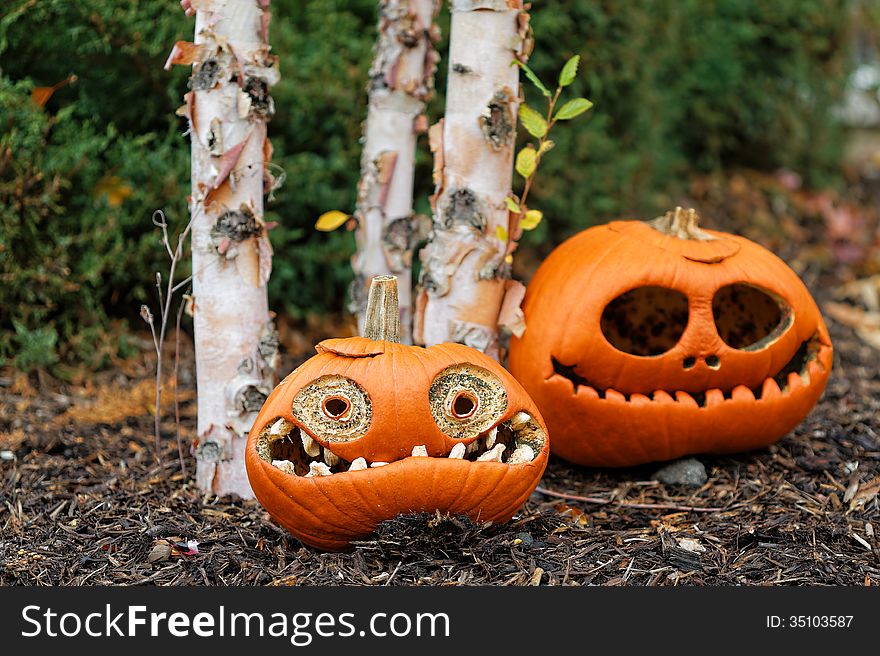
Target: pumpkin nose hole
x,y
689,362
713,361
336,407
464,405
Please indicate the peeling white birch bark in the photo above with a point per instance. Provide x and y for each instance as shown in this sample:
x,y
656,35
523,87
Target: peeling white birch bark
x,y
465,268
235,341
401,81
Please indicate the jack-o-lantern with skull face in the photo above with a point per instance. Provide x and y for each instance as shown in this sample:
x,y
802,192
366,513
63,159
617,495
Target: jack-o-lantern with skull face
x,y
369,429
649,341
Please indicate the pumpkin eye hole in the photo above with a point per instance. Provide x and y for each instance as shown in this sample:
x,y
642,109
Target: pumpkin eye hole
x,y
645,321
466,400
749,318
336,407
464,404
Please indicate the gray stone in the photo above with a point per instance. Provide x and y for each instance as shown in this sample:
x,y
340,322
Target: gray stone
x,y
688,471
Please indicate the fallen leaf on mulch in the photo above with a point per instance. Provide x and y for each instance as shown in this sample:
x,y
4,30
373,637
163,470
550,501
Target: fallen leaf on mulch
x,y
109,404
172,548
576,515
864,290
12,440
865,494
865,324
691,544
160,551
284,581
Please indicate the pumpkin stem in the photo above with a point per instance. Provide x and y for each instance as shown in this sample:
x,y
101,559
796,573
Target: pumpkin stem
x,y
382,319
682,223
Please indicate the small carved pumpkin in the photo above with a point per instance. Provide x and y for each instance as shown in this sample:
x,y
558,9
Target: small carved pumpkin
x,y
369,429
649,341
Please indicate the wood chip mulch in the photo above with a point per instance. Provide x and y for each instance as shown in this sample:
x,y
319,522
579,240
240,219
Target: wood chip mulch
x,y
84,502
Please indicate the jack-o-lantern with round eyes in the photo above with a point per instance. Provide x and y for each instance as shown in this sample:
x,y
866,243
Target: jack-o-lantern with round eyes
x,y
369,429
647,341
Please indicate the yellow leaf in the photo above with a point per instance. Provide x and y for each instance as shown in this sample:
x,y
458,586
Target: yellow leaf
x,y
531,220
329,221
509,259
113,189
501,232
526,161
511,205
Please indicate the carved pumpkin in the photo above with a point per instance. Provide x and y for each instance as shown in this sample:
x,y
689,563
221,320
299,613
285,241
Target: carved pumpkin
x,y
649,341
370,428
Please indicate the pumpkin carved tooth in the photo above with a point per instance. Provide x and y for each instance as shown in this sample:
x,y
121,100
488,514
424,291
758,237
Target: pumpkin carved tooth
x,y
521,454
587,391
358,464
493,455
614,396
794,382
519,419
639,399
420,451
491,437
311,447
714,397
330,458
281,428
473,446
458,451
770,390
378,463
284,465
686,399
318,469
742,393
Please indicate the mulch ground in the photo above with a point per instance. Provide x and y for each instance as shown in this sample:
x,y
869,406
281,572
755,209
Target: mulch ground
x,y
86,503
83,501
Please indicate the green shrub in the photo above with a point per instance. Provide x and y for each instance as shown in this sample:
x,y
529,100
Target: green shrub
x,y
690,85
678,86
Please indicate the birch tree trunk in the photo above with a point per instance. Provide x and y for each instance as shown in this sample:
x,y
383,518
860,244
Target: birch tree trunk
x,y
401,81
465,287
235,341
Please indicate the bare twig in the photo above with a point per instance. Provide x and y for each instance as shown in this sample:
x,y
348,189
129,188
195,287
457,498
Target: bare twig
x,y
624,504
147,316
165,300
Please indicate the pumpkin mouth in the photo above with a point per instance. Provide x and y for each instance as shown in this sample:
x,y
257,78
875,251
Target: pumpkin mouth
x,y
517,441
803,369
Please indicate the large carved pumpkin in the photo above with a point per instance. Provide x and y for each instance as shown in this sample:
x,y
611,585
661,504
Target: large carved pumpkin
x,y
648,341
370,428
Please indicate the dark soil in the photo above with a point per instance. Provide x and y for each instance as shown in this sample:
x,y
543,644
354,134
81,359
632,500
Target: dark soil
x,y
84,502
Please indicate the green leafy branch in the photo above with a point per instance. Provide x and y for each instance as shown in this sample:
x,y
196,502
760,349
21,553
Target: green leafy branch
x,y
539,126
